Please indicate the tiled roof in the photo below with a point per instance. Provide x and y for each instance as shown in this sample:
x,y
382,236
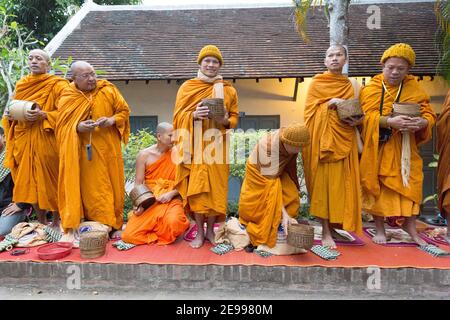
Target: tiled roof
x,y
255,42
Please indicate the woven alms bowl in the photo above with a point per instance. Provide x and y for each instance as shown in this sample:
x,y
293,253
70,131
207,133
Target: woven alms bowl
x,y
93,244
300,236
410,109
349,110
216,108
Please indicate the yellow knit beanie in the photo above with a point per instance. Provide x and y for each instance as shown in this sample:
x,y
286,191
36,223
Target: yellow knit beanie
x,y
401,50
296,135
210,50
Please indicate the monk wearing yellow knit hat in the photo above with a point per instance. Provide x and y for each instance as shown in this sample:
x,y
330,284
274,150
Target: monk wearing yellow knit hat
x,y
392,183
331,160
270,190
202,171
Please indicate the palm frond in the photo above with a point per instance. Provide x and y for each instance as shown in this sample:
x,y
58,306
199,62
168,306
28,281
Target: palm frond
x,y
301,10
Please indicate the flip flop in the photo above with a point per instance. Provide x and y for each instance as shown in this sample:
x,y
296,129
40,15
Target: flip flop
x,y
436,221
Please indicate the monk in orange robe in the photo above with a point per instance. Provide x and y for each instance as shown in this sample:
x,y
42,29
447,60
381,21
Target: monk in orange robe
x,y
202,171
331,161
165,220
31,152
270,190
93,120
384,191
443,174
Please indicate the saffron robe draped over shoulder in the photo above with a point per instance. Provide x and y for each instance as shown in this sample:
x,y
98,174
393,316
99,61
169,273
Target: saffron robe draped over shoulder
x,y
161,223
383,191
270,182
443,148
331,160
202,176
31,151
93,189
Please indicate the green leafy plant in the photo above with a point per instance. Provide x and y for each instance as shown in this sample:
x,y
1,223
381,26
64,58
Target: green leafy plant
x,y
433,197
142,139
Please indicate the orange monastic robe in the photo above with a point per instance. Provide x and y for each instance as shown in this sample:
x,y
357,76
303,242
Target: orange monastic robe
x,y
94,189
31,152
202,183
331,160
443,147
161,223
269,183
381,179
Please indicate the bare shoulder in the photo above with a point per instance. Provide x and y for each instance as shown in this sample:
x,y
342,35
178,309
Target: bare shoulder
x,y
148,155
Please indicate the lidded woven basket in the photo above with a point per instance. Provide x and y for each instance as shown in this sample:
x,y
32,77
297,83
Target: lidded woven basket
x,y
300,236
93,244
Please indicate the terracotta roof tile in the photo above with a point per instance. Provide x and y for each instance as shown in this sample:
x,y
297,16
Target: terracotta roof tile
x,y
255,42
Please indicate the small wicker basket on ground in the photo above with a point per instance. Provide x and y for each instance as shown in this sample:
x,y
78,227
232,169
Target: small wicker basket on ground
x,y
410,109
349,110
93,244
300,236
216,108
142,196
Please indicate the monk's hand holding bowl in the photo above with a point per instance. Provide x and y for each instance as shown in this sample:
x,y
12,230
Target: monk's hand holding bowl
x,y
165,197
8,116
332,104
417,123
138,210
104,122
285,220
201,112
86,126
401,123
34,114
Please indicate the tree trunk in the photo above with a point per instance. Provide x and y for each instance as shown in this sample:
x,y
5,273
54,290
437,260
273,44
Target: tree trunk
x,y
338,19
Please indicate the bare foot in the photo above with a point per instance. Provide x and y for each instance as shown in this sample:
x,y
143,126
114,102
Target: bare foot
x,y
328,242
410,227
379,238
116,234
198,241
210,236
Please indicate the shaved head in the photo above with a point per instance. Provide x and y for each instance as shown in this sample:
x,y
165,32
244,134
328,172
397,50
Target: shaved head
x,y
337,47
38,61
164,127
83,75
76,66
42,53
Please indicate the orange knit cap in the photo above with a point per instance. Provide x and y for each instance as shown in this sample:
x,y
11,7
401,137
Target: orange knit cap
x,y
296,135
210,50
400,50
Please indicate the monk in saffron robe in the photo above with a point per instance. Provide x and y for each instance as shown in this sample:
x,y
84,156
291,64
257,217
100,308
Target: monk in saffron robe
x,y
269,193
165,220
202,171
443,174
331,161
384,191
31,151
93,119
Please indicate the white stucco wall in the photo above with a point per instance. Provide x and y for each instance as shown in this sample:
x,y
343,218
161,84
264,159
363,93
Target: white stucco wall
x,y
266,97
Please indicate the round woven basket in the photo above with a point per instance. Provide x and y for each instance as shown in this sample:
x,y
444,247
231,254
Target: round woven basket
x,y
349,110
216,108
18,109
93,244
142,196
410,109
300,236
